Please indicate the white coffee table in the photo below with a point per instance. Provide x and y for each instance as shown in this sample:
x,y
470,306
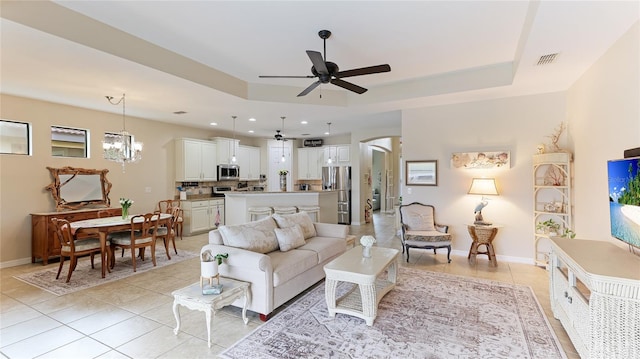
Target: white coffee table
x,y
353,268
192,298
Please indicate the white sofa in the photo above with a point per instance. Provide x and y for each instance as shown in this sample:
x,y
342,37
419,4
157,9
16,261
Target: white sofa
x,y
275,275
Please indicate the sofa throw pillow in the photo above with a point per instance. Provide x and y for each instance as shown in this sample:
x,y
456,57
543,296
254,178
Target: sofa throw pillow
x,y
290,238
257,236
419,220
301,218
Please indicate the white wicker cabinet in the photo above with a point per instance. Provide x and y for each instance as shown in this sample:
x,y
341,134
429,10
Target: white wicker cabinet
x,y
595,293
552,182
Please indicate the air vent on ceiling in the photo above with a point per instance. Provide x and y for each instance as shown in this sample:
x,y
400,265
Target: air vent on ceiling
x,y
547,59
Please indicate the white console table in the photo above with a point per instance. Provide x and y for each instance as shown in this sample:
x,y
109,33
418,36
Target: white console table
x,y
595,293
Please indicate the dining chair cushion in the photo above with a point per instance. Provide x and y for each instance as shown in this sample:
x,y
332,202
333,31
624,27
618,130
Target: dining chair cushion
x,y
257,236
162,231
84,244
301,218
290,237
124,240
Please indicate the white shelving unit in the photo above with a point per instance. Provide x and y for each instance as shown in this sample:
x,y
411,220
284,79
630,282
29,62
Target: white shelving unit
x,y
552,199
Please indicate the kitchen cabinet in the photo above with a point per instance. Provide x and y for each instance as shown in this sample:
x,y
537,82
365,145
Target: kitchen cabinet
x,y
226,149
44,243
249,162
338,155
310,162
195,160
201,216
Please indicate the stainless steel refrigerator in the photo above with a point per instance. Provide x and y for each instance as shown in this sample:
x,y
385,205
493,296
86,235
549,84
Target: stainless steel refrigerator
x,y
338,178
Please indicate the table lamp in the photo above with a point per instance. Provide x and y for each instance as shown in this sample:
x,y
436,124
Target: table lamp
x,y
483,187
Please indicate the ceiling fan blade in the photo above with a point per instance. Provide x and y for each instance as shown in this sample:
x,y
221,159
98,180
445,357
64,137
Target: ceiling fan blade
x,y
349,86
364,71
286,77
309,89
318,62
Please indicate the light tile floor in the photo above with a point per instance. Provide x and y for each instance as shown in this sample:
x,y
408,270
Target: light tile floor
x,y
133,317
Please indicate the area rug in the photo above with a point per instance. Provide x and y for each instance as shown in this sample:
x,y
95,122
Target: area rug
x,y
427,315
85,277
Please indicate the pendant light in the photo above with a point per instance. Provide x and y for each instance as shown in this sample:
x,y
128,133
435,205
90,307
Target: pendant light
x,y
282,132
328,128
122,148
328,133
233,158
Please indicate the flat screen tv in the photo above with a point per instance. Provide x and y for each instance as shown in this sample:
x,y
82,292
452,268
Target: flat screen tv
x,y
624,199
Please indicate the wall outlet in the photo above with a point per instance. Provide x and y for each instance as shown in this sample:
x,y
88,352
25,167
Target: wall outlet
x,y
147,189
409,190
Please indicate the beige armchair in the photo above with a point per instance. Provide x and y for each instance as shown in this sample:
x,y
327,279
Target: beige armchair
x,y
419,229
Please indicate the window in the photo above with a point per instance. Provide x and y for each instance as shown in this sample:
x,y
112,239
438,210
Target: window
x,y
15,138
69,142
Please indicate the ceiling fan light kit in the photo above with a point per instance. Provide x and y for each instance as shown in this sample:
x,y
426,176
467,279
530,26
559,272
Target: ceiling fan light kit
x,y
329,72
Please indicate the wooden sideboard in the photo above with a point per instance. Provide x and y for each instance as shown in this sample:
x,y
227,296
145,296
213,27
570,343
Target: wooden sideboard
x,y
43,238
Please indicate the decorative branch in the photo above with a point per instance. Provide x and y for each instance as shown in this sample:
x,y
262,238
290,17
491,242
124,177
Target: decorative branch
x,y
555,137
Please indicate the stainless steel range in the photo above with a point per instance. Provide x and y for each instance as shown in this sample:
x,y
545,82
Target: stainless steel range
x,y
220,191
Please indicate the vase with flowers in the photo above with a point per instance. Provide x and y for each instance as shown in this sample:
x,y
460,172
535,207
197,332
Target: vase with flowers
x,y
125,203
367,242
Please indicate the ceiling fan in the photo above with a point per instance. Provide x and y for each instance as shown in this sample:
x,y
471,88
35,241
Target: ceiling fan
x,y
328,72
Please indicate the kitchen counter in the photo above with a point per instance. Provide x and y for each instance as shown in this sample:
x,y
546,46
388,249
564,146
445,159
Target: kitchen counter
x,y
237,203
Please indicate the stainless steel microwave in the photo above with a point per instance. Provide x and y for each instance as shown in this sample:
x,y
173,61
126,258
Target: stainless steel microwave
x,y
228,172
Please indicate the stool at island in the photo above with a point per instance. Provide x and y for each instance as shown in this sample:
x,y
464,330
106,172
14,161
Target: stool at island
x,y
256,213
313,211
285,210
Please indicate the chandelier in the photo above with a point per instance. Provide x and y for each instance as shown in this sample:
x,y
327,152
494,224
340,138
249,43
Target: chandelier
x,y
121,147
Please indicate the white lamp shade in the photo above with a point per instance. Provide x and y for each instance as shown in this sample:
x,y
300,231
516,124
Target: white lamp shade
x,y
483,186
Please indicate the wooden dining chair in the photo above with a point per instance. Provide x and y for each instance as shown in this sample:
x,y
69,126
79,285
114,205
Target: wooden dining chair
x,y
167,231
166,206
141,235
73,247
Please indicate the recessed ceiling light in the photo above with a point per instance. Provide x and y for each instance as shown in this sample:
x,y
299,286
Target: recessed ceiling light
x,y
252,119
251,131
214,124
304,122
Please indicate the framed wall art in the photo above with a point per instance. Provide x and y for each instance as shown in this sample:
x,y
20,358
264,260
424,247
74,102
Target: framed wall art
x,y
421,173
481,160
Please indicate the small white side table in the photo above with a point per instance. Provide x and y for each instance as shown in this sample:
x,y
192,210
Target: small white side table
x,y
192,298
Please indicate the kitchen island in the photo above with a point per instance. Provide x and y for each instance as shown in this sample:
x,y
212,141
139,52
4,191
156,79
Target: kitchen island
x,y
238,203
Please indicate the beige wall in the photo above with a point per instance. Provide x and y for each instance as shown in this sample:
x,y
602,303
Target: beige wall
x,y
23,178
604,117
602,110
512,124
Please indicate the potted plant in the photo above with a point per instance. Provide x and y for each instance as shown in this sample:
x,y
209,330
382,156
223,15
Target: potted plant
x,y
549,226
209,265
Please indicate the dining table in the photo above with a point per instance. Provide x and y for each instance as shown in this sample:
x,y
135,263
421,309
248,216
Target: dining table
x,y
106,225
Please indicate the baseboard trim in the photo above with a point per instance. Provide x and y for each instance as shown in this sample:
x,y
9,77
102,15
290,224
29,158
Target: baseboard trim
x,y
15,262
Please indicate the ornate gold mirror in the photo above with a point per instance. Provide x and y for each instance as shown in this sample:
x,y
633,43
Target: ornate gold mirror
x,y
74,188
